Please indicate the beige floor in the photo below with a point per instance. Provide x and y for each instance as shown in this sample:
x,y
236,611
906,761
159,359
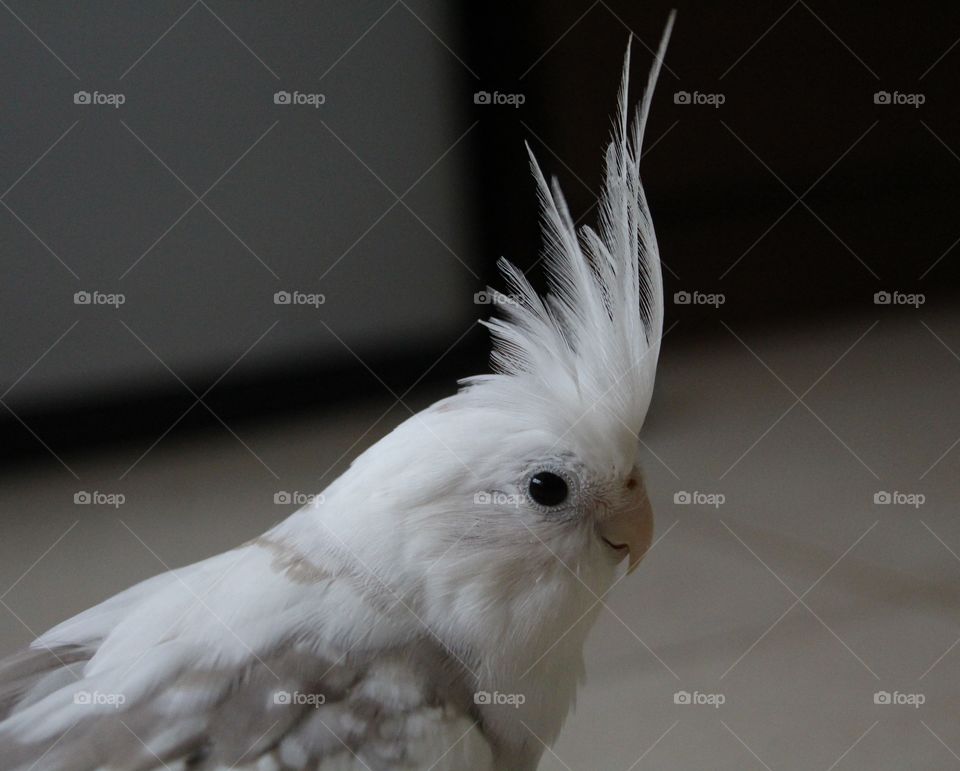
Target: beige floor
x,y
795,600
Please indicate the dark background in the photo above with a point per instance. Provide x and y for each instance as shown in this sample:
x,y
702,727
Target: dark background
x,y
798,82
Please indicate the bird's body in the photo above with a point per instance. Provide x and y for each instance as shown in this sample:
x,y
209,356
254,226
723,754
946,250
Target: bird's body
x,y
298,645
279,704
428,610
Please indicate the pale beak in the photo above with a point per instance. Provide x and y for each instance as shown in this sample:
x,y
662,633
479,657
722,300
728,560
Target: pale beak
x,y
630,530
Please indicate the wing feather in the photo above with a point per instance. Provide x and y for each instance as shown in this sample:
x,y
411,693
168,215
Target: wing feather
x,y
234,662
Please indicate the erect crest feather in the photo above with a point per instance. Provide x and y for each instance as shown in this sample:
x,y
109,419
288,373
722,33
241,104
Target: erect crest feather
x,y
591,345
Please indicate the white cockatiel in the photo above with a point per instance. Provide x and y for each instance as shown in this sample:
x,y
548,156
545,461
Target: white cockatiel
x,y
423,612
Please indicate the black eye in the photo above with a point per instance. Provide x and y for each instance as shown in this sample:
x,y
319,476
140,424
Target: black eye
x,y
548,489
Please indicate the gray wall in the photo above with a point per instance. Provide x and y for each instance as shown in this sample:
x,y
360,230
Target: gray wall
x,y
302,210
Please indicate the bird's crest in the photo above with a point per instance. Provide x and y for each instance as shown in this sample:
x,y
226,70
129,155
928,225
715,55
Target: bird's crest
x,y
587,351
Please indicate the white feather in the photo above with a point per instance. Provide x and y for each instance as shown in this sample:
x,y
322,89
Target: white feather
x,y
587,346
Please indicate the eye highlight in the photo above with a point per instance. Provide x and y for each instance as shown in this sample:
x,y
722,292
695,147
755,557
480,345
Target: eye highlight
x,y
548,489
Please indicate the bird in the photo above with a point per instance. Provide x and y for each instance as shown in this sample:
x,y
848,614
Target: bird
x,y
428,610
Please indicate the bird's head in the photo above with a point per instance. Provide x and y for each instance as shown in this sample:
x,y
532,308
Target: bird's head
x,y
525,488
575,371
